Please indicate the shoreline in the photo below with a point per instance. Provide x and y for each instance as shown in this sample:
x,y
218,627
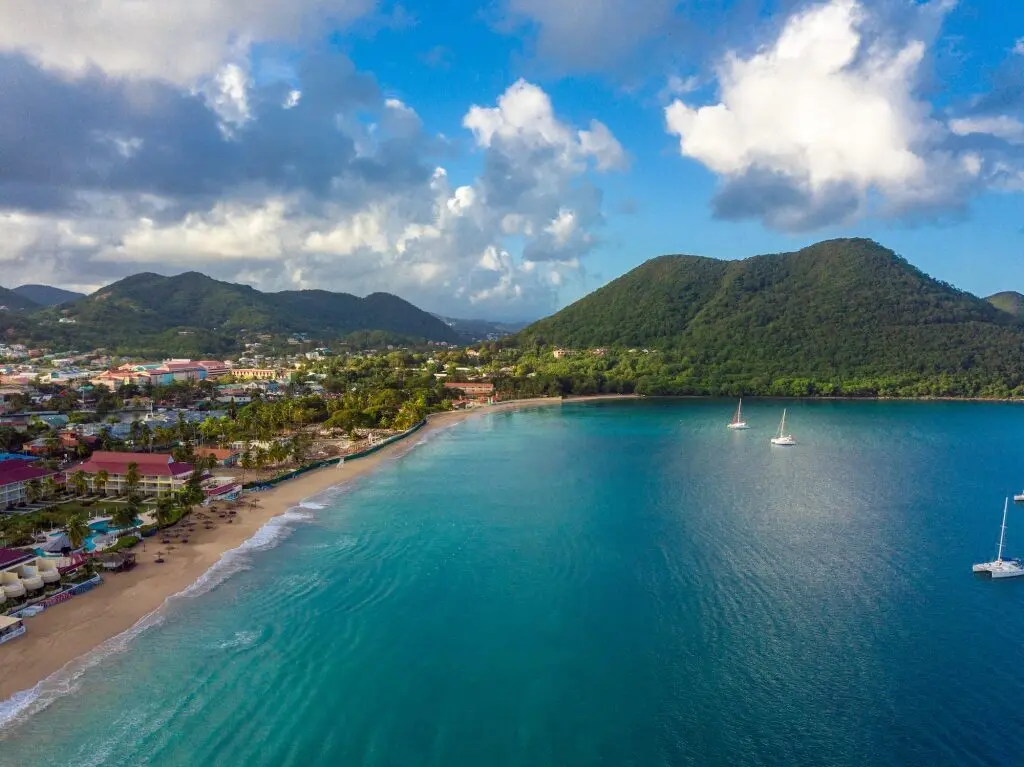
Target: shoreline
x,y
59,640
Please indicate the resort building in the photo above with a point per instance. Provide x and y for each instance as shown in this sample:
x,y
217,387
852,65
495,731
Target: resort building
x,y
474,391
158,472
23,575
14,476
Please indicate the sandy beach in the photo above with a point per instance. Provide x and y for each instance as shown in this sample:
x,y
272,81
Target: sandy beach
x,y
60,635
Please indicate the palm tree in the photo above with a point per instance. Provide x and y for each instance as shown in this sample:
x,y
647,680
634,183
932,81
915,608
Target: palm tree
x,y
53,443
135,432
33,490
164,513
100,481
132,478
79,482
246,463
49,487
77,530
126,513
277,453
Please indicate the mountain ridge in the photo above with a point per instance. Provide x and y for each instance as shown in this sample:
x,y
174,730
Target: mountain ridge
x,y
194,313
47,295
838,308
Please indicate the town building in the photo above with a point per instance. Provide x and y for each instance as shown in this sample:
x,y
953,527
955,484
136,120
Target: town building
x,y
158,472
223,455
160,373
259,374
15,475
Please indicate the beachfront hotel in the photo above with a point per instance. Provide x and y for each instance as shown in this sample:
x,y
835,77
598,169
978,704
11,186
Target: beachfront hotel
x,y
158,472
15,476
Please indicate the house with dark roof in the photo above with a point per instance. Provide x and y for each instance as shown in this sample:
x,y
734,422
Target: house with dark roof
x,y
158,472
15,475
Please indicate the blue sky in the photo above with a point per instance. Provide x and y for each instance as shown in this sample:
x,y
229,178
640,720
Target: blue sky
x,y
501,159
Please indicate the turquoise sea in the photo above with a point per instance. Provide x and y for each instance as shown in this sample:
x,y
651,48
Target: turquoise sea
x,y
596,584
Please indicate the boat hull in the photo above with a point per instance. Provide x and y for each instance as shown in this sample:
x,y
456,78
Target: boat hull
x,y
1000,568
783,441
739,426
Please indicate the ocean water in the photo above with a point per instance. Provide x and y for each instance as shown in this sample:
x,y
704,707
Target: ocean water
x,y
602,584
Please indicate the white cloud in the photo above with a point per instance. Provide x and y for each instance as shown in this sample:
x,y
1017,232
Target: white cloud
x,y
1018,46
562,227
228,231
181,41
502,244
816,121
808,111
227,94
525,118
1002,126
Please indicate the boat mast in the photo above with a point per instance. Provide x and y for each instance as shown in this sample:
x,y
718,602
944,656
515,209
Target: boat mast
x,y
782,426
1002,531
739,411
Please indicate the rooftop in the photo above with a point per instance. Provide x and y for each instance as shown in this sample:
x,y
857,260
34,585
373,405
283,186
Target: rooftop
x,y
20,471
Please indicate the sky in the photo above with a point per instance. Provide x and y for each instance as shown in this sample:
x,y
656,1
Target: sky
x,y
501,159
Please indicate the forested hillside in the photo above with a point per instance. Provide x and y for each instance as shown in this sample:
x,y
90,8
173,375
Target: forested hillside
x,y
841,310
195,314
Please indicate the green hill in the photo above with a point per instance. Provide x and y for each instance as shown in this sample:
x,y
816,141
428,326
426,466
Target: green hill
x,y
836,310
195,314
46,295
1009,301
13,302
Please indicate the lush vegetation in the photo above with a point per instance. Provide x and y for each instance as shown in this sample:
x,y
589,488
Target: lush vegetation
x,y
839,317
1009,301
45,295
15,302
192,314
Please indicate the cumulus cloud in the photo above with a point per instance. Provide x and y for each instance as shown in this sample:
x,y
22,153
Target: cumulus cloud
x,y
179,42
1005,127
325,182
813,126
1018,46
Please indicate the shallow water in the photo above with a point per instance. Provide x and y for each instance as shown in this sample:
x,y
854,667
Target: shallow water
x,y
606,584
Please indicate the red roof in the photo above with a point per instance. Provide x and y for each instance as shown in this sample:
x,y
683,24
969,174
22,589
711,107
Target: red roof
x,y
10,557
150,464
17,471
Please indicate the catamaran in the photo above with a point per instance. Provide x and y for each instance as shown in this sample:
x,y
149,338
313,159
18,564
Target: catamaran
x,y
783,439
1001,568
737,420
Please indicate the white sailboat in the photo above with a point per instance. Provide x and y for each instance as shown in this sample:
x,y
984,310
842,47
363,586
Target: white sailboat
x,y
737,420
783,439
1019,497
1001,568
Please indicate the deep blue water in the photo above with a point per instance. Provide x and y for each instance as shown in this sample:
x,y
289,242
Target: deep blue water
x,y
612,584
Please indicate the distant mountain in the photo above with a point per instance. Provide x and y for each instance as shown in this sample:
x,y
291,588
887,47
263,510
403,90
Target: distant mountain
x,y
14,302
195,314
45,295
481,330
839,308
1009,301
